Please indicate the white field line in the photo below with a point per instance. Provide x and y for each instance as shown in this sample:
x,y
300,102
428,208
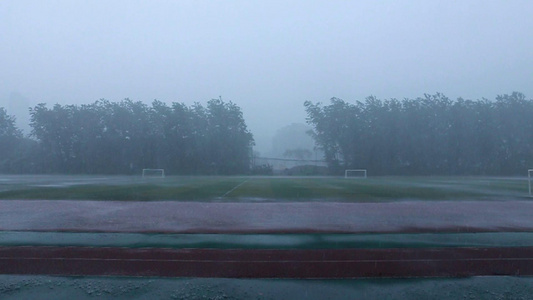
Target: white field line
x,y
234,188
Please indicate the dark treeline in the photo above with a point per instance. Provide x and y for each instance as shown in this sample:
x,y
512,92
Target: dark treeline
x,y
11,144
124,137
429,135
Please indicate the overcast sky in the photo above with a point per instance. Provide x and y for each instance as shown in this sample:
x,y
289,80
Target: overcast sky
x,y
266,56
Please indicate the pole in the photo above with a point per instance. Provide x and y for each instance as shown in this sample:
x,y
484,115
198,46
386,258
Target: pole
x,y
529,180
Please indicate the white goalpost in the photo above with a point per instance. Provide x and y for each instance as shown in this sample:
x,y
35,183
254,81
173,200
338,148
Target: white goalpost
x,y
153,173
355,173
529,179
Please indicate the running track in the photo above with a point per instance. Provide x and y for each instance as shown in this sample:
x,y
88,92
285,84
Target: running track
x,y
189,217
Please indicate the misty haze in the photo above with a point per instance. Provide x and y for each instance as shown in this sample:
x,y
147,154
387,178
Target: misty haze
x,y
198,149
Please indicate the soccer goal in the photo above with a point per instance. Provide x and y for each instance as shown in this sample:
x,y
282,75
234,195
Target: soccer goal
x,y
355,173
153,173
529,179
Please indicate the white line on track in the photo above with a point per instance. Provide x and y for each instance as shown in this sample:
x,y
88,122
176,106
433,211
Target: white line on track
x,y
234,188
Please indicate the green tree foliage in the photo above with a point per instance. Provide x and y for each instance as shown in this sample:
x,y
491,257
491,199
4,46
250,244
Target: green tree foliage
x,y
229,142
428,135
8,129
125,137
10,140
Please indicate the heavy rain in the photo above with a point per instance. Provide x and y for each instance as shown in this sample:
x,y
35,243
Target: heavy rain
x,y
266,149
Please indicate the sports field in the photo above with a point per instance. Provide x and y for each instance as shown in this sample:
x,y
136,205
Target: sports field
x,y
255,228
253,189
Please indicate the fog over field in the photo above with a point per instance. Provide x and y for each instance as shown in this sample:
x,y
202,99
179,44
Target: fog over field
x,y
266,149
268,57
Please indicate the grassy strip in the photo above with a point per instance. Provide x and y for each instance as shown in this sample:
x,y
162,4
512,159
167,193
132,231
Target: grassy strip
x,y
267,241
205,189
276,189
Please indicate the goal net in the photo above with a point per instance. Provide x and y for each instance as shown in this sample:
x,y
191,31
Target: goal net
x,y
355,173
153,173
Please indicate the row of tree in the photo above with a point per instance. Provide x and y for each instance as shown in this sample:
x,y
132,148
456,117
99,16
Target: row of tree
x,y
429,135
124,137
10,141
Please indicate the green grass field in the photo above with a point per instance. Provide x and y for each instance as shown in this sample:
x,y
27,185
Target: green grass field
x,y
249,189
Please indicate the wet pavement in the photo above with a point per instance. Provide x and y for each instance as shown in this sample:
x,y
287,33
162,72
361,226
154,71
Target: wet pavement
x,y
53,287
